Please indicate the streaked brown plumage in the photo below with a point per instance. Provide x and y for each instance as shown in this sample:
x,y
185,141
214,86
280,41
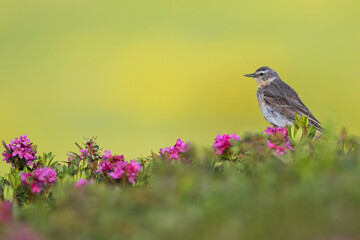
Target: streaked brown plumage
x,y
278,101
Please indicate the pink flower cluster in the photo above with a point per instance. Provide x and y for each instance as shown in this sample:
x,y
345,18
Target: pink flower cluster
x,y
38,179
282,147
131,169
277,130
83,152
81,183
21,148
115,166
109,162
222,142
175,151
82,155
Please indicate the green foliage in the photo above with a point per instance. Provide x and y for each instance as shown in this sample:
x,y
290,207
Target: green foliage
x,y
300,129
312,197
47,160
83,166
10,185
13,178
248,192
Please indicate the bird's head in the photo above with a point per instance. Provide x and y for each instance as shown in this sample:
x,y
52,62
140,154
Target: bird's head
x,y
263,76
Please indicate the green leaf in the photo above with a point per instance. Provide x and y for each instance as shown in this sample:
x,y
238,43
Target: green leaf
x,y
306,121
218,164
72,155
8,193
72,169
293,131
59,168
13,178
298,119
311,132
298,136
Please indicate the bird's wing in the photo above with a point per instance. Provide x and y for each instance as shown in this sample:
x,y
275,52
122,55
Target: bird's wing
x,y
289,105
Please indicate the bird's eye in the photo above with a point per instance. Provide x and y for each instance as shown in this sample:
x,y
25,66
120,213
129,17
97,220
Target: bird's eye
x,y
261,74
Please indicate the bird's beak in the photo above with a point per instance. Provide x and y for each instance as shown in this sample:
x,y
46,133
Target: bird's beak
x,y
249,75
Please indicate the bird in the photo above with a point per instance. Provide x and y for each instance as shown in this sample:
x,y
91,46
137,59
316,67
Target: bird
x,y
278,102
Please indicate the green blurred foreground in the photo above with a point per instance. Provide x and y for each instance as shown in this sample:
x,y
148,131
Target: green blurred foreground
x,y
310,193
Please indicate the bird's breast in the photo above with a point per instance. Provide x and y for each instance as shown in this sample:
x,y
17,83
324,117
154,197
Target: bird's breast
x,y
261,101
271,115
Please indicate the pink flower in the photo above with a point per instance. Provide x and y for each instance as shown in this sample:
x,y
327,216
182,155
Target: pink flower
x,y
107,154
81,183
175,151
132,170
51,175
20,148
118,170
36,188
284,146
222,142
277,130
28,155
279,149
6,156
108,162
105,165
24,140
116,166
18,151
181,146
24,177
83,152
38,179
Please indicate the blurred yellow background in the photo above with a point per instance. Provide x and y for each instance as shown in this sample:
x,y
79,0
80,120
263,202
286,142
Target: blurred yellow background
x,y
140,74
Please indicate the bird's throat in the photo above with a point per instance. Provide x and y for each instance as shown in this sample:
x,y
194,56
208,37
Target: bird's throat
x,y
261,83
